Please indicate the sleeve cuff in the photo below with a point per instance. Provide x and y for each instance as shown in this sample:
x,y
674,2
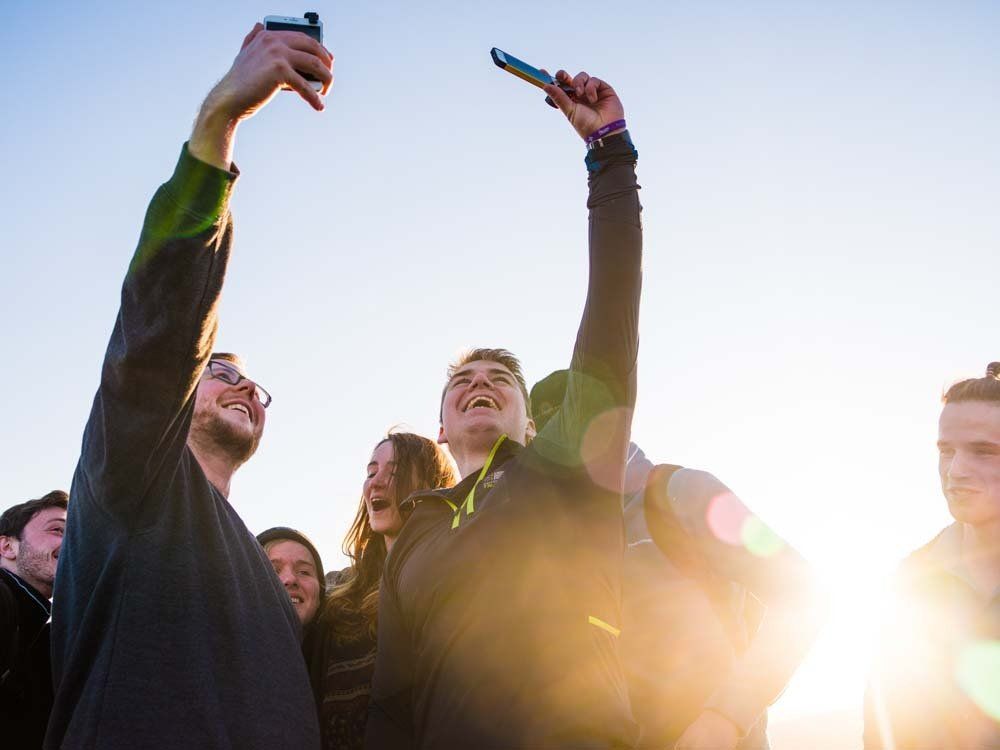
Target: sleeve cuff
x,y
617,149
199,188
740,709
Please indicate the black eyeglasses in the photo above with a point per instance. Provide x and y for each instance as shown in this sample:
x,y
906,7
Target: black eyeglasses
x,y
225,373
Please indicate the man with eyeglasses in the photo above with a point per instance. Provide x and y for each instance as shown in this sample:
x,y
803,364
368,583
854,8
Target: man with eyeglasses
x,y
170,628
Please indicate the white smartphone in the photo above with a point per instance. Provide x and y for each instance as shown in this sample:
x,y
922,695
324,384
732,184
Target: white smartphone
x,y
309,24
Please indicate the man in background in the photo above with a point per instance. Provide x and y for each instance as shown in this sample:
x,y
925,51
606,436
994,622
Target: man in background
x,y
31,535
702,661
934,682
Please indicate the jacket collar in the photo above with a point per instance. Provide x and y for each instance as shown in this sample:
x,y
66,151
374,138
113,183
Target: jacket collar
x,y
27,596
508,449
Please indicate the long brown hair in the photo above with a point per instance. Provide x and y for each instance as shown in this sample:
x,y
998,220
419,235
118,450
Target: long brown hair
x,y
420,464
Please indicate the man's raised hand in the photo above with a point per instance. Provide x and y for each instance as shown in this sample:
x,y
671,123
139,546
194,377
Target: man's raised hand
x,y
594,105
267,61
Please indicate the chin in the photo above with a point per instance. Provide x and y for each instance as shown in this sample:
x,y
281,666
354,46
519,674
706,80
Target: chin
x,y
973,513
233,437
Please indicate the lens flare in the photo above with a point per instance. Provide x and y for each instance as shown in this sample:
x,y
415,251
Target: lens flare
x,y
978,673
726,516
603,447
732,522
758,537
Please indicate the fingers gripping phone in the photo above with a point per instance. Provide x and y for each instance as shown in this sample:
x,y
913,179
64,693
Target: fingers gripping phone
x,y
527,73
309,24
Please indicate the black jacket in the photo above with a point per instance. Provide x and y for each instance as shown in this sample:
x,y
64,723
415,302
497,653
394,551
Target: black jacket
x,y
498,628
25,667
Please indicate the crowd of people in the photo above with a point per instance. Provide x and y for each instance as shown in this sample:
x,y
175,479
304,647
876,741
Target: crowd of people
x,y
542,584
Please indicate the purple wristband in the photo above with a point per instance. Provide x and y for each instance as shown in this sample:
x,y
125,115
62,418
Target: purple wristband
x,y
603,131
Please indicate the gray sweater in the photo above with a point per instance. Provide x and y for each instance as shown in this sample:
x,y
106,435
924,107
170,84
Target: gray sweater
x,y
170,629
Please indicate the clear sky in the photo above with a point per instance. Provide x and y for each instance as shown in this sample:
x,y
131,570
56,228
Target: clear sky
x,y
820,190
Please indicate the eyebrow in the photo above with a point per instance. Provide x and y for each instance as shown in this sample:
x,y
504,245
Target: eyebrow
x,y
375,463
973,444
491,371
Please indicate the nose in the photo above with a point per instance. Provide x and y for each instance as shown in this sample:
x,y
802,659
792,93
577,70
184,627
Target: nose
x,y
287,578
957,467
246,385
382,477
481,379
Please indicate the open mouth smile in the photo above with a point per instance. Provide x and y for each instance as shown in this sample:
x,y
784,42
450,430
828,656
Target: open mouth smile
x,y
380,504
481,402
240,406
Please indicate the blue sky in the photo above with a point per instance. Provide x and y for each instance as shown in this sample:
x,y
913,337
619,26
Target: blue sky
x,y
820,185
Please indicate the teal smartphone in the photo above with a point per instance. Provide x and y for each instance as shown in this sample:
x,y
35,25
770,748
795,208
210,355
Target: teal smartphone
x,y
526,72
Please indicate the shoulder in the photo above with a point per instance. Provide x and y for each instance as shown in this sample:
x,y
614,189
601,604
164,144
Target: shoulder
x,y
8,607
931,560
687,483
337,577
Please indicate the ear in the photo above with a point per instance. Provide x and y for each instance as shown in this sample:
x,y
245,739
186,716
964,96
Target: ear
x,y
530,431
442,438
8,548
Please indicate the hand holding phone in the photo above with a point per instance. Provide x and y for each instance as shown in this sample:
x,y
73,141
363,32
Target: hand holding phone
x,y
526,72
310,25
594,106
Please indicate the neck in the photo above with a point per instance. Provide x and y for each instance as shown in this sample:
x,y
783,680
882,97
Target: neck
x,y
981,554
471,457
388,542
470,462
219,469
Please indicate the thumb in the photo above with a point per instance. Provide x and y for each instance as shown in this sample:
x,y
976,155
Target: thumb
x,y
561,99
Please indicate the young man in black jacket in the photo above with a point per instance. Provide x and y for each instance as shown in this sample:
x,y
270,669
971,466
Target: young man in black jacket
x,y
170,627
934,680
500,602
31,535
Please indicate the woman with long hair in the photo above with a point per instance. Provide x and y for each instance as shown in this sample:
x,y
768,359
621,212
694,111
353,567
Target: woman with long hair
x,y
342,657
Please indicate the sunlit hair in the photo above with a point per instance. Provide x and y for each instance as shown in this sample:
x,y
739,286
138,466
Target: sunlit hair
x,y
234,359
501,356
420,464
986,388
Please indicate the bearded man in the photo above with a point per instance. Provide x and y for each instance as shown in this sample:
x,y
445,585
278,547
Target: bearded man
x,y
167,611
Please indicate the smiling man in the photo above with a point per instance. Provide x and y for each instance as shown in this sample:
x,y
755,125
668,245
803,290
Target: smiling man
x,y
169,612
499,608
934,683
31,536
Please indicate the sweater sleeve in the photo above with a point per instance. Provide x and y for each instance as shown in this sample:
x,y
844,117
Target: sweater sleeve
x,y
594,421
740,549
161,340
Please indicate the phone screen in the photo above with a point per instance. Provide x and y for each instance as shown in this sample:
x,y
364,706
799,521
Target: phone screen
x,y
313,30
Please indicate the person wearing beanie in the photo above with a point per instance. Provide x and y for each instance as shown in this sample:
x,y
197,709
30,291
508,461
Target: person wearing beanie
x,y
701,662
299,567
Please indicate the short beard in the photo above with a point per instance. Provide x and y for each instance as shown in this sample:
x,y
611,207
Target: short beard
x,y
33,566
217,435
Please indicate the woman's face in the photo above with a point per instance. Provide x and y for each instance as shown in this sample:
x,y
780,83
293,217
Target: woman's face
x,y
379,492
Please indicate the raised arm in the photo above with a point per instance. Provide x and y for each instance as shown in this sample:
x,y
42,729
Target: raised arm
x,y
167,322
601,382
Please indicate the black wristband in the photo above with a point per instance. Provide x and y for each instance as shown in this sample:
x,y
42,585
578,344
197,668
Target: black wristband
x,y
614,149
